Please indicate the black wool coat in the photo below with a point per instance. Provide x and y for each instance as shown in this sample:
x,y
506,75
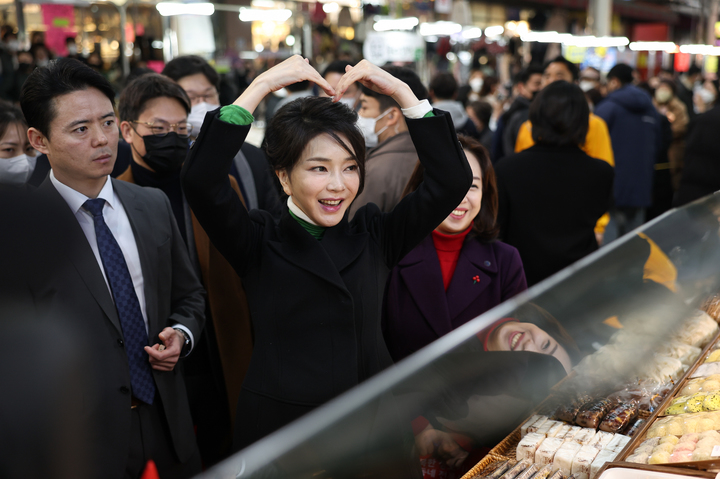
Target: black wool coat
x,y
549,201
315,305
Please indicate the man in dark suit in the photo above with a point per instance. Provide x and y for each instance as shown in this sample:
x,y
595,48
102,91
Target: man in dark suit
x,y
113,263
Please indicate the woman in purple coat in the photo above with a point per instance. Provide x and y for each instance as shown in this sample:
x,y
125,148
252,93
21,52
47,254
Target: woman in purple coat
x,y
456,273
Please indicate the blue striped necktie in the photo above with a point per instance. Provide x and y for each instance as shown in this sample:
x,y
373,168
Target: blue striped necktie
x,y
126,303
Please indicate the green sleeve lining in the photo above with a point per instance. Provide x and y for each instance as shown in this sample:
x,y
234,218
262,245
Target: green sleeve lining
x,y
236,115
427,115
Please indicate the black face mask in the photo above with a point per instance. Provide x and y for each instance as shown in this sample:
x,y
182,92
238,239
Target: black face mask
x,y
165,154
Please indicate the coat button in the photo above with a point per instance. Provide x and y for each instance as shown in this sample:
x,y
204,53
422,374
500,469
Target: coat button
x,y
120,342
124,390
487,263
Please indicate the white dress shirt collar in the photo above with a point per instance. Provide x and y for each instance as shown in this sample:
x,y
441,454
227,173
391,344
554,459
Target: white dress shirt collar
x,y
75,199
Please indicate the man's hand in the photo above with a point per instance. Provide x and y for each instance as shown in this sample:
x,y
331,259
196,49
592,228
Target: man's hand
x,y
164,357
440,444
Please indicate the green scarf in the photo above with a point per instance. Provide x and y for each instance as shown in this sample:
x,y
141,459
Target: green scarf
x,y
316,231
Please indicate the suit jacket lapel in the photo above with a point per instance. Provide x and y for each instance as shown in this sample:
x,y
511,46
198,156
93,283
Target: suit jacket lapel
x,y
420,271
142,228
65,224
471,275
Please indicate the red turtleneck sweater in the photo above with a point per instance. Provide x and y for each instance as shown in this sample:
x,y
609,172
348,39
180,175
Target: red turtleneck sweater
x,y
448,249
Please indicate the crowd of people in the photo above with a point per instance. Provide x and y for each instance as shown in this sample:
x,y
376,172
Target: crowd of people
x,y
247,286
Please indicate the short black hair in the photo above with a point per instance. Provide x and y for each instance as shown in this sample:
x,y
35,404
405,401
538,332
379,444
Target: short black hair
x,y
524,76
337,66
694,70
559,115
572,68
483,111
670,84
444,86
622,72
298,122
134,97
187,65
59,77
407,76
10,115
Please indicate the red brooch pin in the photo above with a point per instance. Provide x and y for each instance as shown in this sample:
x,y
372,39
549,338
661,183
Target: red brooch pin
x,y
476,279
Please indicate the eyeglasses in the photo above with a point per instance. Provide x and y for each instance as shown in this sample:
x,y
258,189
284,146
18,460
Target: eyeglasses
x,y
162,128
206,98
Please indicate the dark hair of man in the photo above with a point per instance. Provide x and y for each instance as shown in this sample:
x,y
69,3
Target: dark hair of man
x,y
187,65
670,84
60,77
409,77
622,73
524,76
297,123
694,70
337,66
489,83
444,86
134,98
571,67
483,111
559,115
10,115
485,227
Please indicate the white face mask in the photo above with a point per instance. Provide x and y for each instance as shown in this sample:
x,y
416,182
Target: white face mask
x,y
16,171
587,85
476,84
706,95
197,116
367,127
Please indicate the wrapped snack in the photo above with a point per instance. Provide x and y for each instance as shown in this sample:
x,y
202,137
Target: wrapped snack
x,y
556,429
712,401
529,472
582,462
537,424
528,445
557,475
692,437
660,457
663,369
713,356
546,452
671,439
568,412
684,446
709,434
702,454
564,457
602,458
634,427
570,435
527,424
618,443
500,469
619,417
601,439
686,353
706,370
547,425
592,413
638,458
544,472
697,330
667,447
584,436
564,431
681,456
514,471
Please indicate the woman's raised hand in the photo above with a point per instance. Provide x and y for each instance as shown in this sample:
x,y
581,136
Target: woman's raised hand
x,y
378,80
293,70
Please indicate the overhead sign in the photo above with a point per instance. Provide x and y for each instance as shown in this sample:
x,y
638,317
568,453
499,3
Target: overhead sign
x,y
384,47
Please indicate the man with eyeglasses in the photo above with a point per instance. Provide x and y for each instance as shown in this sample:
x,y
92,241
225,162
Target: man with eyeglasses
x,y
257,182
154,111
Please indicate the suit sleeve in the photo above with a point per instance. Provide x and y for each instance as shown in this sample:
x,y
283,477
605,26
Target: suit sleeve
x,y
446,181
207,188
187,303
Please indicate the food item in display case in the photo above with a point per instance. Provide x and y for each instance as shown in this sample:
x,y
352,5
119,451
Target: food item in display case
x,y
528,423
546,452
660,457
556,429
602,458
583,460
707,369
557,475
515,470
705,384
565,455
713,356
544,472
592,413
619,417
663,369
537,424
547,426
572,432
638,458
528,446
584,436
686,353
601,440
697,330
618,443
500,469
634,427
568,412
529,472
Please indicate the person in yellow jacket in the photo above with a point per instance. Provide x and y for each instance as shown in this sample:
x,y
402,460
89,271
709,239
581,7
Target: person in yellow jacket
x,y
597,142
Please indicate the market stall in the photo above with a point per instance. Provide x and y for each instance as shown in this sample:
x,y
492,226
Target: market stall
x,y
638,319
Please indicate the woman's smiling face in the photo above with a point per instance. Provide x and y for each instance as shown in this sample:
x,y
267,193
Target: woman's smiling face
x,y
324,181
462,217
516,336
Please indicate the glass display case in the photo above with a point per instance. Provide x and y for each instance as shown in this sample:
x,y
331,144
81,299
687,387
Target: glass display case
x,y
618,314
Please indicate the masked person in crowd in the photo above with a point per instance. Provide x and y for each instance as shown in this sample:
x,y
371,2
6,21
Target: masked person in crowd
x,y
17,156
315,279
704,96
552,194
443,93
154,112
391,154
333,73
461,254
674,110
686,84
480,112
249,168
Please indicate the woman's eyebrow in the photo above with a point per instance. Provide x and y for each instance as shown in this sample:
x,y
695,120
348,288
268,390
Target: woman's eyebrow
x,y
557,345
